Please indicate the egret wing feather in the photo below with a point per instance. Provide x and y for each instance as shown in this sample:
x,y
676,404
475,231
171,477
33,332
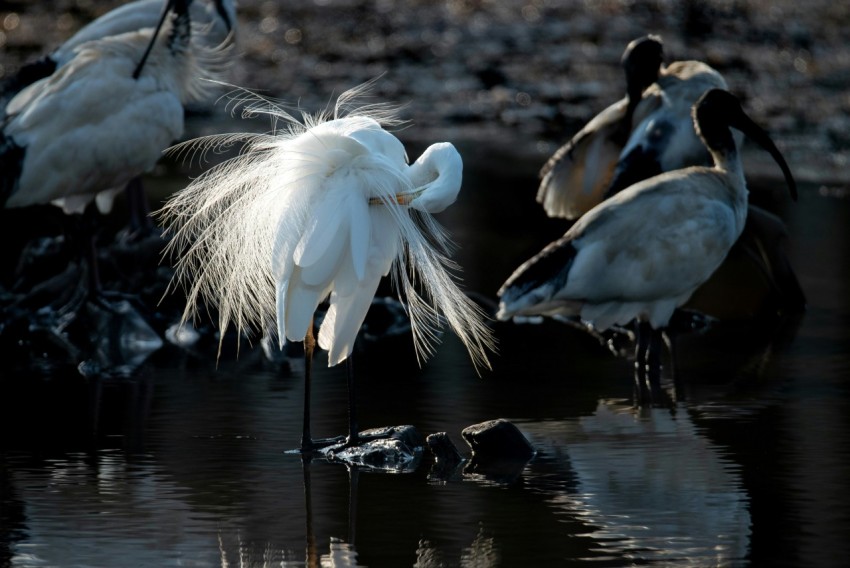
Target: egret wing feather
x,y
248,233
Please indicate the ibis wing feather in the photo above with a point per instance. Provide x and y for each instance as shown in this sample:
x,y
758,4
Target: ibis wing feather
x,y
575,178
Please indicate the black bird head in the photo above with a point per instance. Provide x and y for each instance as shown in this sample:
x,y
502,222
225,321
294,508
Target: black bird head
x,y
642,61
181,9
716,112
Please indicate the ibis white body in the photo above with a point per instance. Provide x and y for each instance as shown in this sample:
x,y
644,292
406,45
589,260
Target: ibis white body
x,y
212,19
643,252
89,128
638,255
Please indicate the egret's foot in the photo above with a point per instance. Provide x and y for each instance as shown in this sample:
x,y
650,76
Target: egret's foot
x,y
394,448
317,445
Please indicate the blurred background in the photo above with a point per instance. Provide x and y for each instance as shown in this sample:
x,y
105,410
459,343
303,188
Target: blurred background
x,y
526,74
181,461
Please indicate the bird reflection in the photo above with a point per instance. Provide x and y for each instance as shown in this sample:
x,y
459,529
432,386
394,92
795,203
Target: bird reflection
x,y
341,553
652,486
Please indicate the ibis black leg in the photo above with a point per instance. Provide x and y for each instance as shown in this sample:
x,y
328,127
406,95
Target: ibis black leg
x,y
642,339
137,205
678,390
653,363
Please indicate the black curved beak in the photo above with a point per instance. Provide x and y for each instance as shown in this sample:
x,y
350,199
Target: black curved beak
x,y
169,5
219,7
739,120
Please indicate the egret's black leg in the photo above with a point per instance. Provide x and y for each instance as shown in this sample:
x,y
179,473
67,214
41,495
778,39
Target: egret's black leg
x,y
353,427
355,438
309,345
353,482
308,444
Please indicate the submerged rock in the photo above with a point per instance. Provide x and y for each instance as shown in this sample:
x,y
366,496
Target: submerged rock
x,y
443,449
499,451
394,449
447,458
497,440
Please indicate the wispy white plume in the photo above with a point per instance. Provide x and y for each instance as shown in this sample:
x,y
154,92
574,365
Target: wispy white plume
x,y
322,207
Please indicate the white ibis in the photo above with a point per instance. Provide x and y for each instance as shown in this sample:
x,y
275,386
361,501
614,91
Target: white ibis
x,y
213,21
103,118
665,139
322,209
643,252
578,174
651,131
213,28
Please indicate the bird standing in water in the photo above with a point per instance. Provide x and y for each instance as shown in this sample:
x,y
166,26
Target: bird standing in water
x,y
105,117
323,208
652,131
642,253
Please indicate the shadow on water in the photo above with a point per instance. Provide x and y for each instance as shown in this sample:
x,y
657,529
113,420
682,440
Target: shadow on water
x,y
183,462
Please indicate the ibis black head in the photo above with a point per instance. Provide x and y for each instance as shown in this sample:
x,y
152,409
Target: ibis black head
x,y
180,8
718,110
642,61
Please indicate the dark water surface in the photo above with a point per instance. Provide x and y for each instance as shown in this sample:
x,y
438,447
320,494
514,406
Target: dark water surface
x,y
185,464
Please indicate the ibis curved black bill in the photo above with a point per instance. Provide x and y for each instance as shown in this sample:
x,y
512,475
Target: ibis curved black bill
x,y
722,107
222,12
179,7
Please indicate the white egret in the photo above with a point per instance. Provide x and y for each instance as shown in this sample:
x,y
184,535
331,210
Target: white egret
x,y
322,208
578,174
643,252
103,118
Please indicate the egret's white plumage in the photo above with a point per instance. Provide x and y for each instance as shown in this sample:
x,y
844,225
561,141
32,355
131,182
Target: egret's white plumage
x,y
643,252
92,126
323,208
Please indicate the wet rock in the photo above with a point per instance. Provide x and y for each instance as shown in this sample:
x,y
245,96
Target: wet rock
x,y
499,452
391,448
448,460
497,440
443,449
